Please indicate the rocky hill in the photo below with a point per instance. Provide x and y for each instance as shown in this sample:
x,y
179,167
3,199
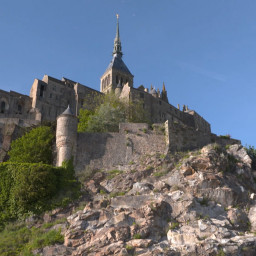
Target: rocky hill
x,y
194,203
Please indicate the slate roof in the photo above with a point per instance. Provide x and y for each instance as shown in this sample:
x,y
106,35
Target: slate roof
x,y
68,111
118,64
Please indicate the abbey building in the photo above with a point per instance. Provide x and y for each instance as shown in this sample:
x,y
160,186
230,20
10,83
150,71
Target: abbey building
x,y
49,97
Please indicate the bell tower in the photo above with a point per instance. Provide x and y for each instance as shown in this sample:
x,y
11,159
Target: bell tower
x,y
117,73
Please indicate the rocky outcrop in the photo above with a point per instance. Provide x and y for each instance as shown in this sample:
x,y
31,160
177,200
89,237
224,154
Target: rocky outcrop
x,y
197,203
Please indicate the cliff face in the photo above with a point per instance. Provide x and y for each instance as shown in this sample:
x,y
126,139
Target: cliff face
x,y
196,203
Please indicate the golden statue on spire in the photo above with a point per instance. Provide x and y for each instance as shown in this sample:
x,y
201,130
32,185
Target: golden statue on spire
x,y
117,16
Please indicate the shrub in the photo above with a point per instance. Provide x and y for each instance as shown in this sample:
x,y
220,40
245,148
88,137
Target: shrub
x,y
33,147
27,188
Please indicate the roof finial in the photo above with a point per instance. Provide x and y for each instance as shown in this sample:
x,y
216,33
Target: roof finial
x,y
117,42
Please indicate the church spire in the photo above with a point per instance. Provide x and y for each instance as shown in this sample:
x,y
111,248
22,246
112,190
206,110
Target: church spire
x,y
117,42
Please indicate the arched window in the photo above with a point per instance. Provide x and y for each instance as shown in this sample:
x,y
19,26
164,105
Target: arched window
x,y
2,107
121,81
116,79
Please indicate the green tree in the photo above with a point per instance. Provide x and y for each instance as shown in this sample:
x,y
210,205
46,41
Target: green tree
x,y
33,147
84,117
108,112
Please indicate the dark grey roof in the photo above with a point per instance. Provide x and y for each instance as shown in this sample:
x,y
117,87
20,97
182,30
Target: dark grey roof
x,y
118,64
68,111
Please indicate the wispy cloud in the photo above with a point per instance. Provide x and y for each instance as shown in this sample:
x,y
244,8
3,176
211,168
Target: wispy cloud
x,y
202,71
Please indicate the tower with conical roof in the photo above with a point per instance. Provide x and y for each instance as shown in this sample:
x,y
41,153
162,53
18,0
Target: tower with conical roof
x,y
117,72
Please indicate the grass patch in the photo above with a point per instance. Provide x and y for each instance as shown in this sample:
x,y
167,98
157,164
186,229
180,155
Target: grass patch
x,y
113,173
174,225
221,253
159,174
115,194
227,136
137,236
17,239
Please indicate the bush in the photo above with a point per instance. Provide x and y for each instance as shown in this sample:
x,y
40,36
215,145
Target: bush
x,y
33,147
27,188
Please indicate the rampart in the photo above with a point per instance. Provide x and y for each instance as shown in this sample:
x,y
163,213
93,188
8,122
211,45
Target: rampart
x,y
104,150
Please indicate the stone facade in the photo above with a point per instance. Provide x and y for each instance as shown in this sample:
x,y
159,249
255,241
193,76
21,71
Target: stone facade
x,y
49,97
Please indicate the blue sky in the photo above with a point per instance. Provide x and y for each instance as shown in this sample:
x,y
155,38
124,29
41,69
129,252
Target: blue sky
x,y
204,50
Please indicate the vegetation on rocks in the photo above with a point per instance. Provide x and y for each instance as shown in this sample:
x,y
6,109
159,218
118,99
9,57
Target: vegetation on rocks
x,y
27,188
18,239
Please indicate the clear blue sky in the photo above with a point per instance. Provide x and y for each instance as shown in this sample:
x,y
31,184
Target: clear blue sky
x,y
204,50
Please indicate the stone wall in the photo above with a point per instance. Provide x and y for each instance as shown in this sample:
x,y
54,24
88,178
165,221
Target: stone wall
x,y
105,150
181,137
158,110
223,141
13,104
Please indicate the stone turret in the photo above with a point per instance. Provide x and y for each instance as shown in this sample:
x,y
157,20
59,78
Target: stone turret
x,y
66,136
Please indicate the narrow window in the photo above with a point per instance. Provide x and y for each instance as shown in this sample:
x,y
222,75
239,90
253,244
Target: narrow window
x,y
41,90
121,81
116,79
108,79
2,107
19,109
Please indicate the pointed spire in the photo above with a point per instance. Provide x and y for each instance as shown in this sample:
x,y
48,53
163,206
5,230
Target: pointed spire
x,y
164,90
117,42
151,87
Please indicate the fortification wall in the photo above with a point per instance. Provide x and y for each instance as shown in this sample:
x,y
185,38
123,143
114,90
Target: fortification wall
x,y
105,150
181,137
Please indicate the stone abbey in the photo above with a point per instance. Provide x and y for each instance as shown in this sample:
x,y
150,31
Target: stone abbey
x,y
49,97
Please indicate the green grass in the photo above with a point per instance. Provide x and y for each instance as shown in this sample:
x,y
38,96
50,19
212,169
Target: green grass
x,y
113,173
221,253
137,236
159,174
115,194
174,225
17,239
